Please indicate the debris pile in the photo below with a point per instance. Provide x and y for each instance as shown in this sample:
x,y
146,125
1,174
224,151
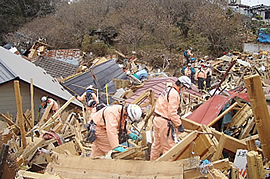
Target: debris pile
x,y
225,127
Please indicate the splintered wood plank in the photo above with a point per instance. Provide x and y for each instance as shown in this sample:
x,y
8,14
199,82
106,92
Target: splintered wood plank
x,y
255,168
174,151
84,167
220,164
69,146
241,116
220,147
260,111
244,133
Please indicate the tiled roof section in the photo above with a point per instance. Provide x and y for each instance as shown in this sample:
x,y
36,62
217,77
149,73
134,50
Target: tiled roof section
x,y
66,55
56,68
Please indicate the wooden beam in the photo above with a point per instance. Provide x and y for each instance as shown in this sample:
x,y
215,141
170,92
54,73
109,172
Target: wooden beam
x,y
222,114
260,111
178,147
9,121
20,112
220,147
32,102
232,144
83,167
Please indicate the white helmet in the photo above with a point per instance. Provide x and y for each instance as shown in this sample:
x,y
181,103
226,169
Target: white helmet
x,y
89,87
185,81
134,112
43,99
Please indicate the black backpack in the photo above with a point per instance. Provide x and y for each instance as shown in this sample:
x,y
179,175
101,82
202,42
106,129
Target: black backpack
x,y
88,96
89,100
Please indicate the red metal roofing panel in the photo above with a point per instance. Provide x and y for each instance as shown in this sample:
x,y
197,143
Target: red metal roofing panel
x,y
209,110
156,84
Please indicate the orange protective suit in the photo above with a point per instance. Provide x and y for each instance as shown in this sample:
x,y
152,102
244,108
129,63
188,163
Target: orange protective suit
x,y
166,107
107,134
91,110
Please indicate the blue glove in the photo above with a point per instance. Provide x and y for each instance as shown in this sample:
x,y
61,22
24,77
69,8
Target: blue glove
x,y
120,149
133,136
40,107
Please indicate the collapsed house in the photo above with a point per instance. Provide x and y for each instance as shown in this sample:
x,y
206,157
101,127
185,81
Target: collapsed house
x,y
223,128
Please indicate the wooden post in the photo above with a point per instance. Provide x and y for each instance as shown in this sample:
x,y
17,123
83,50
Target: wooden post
x,y
255,167
3,157
32,102
260,110
20,112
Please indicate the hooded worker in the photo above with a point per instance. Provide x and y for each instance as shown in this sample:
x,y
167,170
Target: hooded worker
x,y
111,125
166,117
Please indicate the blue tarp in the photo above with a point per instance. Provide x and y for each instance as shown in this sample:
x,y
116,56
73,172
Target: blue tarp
x,y
264,35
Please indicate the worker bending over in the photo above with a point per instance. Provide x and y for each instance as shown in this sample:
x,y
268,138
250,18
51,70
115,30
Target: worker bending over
x,y
166,117
47,101
111,125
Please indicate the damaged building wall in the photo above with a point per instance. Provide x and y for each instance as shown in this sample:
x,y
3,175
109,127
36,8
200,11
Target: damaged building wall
x,y
8,101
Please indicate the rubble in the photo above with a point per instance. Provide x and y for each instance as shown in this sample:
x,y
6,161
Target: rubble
x,y
218,124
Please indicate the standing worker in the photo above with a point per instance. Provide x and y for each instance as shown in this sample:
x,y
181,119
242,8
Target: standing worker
x,y
208,73
188,54
188,70
166,117
111,123
90,99
200,77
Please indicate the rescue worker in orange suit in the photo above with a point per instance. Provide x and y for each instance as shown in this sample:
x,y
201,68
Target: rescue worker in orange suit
x,y
90,99
208,73
200,76
110,121
47,101
166,118
188,70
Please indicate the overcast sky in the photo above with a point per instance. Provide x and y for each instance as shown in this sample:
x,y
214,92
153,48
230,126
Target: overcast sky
x,y
255,2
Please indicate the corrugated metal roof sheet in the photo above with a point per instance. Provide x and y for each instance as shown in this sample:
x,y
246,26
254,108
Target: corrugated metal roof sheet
x,y
66,55
14,66
156,84
210,109
102,75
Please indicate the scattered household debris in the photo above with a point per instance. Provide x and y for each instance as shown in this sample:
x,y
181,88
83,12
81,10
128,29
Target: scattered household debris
x,y
224,127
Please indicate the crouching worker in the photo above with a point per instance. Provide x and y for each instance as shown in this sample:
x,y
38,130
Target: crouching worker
x,y
166,117
47,101
111,124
